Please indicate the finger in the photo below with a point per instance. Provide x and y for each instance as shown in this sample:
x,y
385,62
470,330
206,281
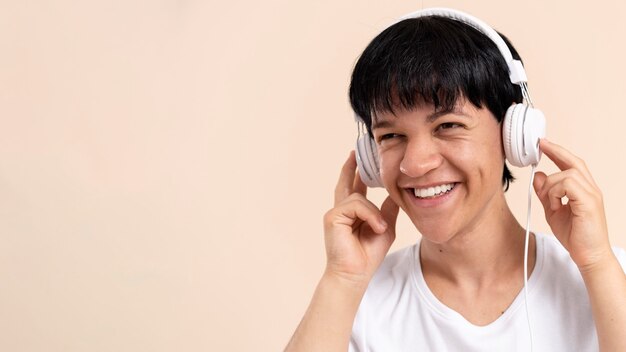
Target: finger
x,y
389,211
571,188
358,208
564,159
555,196
580,200
568,174
346,179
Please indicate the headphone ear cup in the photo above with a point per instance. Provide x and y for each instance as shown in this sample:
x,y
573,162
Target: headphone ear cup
x,y
367,161
522,128
534,130
509,136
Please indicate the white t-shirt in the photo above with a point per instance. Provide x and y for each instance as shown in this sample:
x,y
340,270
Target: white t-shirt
x,y
400,313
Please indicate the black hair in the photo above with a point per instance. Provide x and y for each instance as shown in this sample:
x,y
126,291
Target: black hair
x,y
434,60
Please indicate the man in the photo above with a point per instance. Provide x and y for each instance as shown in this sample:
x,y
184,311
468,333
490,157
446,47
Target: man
x,y
432,92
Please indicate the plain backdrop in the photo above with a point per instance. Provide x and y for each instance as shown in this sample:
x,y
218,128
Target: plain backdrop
x,y
165,165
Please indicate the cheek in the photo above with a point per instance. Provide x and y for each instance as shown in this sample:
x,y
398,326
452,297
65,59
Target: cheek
x,y
389,164
492,154
498,149
482,157
498,144
491,147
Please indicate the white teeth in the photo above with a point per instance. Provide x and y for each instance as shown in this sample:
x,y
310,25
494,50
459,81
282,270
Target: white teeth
x,y
433,191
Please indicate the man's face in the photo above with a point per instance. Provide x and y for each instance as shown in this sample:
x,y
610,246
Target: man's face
x,y
443,169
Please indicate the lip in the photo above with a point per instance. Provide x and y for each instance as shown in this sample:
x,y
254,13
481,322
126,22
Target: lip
x,y
432,202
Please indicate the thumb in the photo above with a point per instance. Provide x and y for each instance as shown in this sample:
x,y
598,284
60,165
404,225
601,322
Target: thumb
x,y
390,210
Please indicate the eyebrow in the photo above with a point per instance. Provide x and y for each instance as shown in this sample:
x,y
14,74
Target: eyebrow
x,y
430,118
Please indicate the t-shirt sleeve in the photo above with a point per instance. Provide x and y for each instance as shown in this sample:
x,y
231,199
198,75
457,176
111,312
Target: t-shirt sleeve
x,y
620,253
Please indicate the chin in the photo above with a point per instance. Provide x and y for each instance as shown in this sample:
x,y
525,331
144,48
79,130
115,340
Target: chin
x,y
433,231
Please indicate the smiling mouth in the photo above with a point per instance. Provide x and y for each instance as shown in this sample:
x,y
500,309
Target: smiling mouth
x,y
433,192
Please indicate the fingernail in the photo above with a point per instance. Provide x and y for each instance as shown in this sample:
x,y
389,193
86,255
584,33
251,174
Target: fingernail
x,y
383,223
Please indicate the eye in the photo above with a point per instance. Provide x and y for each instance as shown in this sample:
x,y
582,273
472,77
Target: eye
x,y
387,136
448,126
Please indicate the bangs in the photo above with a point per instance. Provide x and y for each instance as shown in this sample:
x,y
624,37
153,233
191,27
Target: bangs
x,y
430,60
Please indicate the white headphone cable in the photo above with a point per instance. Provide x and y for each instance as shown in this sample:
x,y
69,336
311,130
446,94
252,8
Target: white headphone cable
x,y
530,187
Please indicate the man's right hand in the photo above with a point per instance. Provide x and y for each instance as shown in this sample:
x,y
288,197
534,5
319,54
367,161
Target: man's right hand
x,y
358,235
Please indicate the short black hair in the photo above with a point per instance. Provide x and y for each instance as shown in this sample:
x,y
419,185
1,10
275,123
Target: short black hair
x,y
434,60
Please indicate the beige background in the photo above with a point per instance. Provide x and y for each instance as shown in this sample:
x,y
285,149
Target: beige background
x,y
165,165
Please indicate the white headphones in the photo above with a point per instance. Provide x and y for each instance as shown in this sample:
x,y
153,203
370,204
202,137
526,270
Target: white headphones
x,y
523,125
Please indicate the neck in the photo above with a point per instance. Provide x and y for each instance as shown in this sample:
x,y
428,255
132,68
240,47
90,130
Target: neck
x,y
492,248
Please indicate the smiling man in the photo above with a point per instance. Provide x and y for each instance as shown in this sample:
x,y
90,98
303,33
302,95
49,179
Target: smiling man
x,y
432,92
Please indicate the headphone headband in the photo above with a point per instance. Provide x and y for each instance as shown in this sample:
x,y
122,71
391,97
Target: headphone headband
x,y
517,74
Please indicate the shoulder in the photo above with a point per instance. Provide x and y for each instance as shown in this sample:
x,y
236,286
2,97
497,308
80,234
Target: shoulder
x,y
553,251
392,275
557,265
396,264
558,299
556,254
557,274
387,297
558,286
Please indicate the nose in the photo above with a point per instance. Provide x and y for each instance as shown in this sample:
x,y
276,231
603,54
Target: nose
x,y
420,157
